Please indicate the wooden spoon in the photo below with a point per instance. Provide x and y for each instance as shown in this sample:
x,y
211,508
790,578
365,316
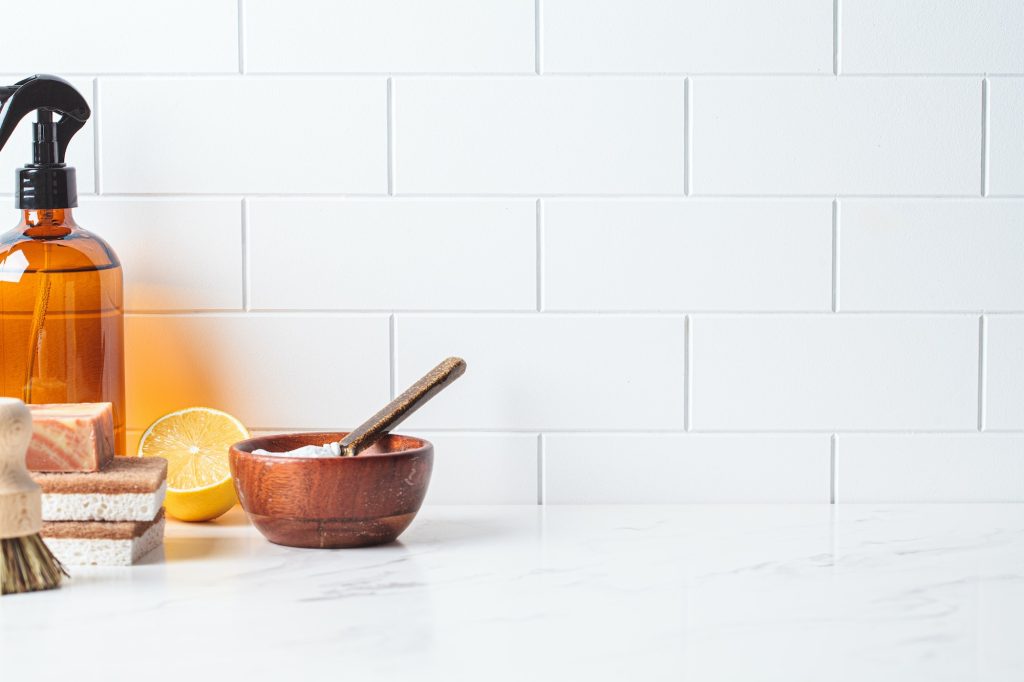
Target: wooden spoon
x,y
395,412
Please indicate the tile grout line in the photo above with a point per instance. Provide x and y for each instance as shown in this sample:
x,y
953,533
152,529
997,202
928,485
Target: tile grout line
x,y
509,75
526,312
241,38
982,370
244,208
392,328
96,135
834,544
687,372
687,136
984,135
498,431
641,433
835,37
539,264
832,470
391,138
536,37
540,469
565,196
835,255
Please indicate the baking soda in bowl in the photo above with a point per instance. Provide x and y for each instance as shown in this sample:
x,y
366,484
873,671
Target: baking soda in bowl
x,y
307,451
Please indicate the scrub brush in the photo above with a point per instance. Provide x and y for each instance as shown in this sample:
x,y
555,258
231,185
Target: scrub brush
x,y
26,563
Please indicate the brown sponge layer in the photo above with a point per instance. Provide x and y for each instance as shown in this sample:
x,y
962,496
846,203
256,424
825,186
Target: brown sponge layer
x,y
122,475
98,530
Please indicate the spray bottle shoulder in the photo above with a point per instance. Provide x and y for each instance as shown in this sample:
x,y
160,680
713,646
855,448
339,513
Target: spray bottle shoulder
x,y
50,240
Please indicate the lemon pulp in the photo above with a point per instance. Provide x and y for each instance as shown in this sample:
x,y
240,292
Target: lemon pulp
x,y
195,443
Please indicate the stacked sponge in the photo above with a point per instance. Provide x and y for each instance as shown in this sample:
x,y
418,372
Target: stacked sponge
x,y
98,509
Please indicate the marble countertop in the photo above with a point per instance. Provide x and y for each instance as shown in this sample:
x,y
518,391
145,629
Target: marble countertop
x,y
724,592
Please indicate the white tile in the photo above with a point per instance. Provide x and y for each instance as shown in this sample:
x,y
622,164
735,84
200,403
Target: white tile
x,y
665,469
1004,372
930,468
834,372
448,36
909,36
931,255
121,36
687,255
80,155
483,468
1006,136
176,254
226,135
688,36
547,371
394,254
272,372
538,135
836,136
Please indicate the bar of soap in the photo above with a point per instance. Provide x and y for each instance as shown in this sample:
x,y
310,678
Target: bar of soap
x,y
127,489
103,543
71,437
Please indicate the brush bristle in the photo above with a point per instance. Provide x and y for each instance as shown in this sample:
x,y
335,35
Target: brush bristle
x,y
26,565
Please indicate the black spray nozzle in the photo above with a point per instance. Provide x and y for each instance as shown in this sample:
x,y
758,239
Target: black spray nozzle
x,y
46,182
47,95
45,147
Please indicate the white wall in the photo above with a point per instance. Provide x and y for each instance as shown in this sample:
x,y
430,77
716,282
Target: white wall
x,y
692,251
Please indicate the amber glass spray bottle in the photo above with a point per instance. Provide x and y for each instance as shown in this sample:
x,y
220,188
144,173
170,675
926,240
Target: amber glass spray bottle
x,y
61,326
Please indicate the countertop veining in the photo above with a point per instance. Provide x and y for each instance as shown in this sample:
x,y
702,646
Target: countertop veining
x,y
726,592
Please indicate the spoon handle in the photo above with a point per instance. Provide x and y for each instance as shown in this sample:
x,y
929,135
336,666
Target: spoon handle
x,y
395,412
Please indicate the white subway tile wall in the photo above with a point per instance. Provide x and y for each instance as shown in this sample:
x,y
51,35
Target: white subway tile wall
x,y
756,250
483,468
538,136
548,372
669,468
833,136
121,36
689,254
1006,169
462,255
1004,373
255,135
834,373
909,36
270,372
925,254
645,36
180,254
930,468
410,36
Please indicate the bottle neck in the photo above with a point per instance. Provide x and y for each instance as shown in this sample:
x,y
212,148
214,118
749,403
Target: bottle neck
x,y
47,222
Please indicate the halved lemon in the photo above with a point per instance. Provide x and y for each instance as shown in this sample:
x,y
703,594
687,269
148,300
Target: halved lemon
x,y
195,443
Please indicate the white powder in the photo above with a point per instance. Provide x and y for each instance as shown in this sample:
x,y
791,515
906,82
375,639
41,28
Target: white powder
x,y
310,451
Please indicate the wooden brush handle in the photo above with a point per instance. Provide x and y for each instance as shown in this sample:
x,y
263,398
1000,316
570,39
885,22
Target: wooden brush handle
x,y
395,412
21,505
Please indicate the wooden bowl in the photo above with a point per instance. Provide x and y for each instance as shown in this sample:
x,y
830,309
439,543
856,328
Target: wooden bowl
x,y
331,502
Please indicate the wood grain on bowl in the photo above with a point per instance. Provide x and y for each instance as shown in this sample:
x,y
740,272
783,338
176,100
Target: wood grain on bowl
x,y
331,502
